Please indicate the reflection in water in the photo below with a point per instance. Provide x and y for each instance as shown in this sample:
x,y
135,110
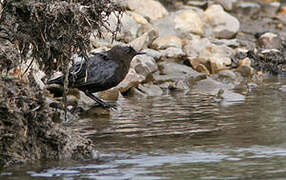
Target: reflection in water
x,y
182,136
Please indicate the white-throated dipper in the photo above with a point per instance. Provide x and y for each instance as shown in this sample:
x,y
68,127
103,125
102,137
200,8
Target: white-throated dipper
x,y
102,71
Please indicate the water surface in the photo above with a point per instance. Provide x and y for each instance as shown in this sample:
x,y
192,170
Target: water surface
x,y
181,135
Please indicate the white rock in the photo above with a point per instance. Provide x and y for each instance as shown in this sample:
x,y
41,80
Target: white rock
x,y
144,65
150,89
138,18
172,52
128,27
164,42
132,79
189,21
228,74
148,8
144,40
217,54
269,41
175,68
195,46
147,28
166,25
153,53
224,25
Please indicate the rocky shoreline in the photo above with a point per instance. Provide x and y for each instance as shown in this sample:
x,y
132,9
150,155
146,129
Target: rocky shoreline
x,y
205,46
196,44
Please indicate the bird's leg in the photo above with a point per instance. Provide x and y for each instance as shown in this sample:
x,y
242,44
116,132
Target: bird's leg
x,y
99,101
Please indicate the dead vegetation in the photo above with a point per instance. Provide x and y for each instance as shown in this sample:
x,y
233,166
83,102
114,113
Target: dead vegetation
x,y
54,30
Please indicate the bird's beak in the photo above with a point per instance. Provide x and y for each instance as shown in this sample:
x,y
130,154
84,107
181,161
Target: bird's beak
x,y
140,53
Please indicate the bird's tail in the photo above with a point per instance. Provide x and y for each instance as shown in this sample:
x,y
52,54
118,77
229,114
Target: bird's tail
x,y
59,80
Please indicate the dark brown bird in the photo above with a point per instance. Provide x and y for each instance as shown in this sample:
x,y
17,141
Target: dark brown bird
x,y
101,72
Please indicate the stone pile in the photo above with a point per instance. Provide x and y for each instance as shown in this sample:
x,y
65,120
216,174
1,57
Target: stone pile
x,y
187,48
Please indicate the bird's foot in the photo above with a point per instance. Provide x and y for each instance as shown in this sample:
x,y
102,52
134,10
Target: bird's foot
x,y
109,106
100,102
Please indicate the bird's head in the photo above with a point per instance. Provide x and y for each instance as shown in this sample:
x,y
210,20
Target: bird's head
x,y
124,53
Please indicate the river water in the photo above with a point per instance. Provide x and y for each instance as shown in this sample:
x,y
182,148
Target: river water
x,y
181,135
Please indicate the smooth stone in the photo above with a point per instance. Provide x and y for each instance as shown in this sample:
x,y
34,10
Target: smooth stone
x,y
189,21
172,53
245,70
222,51
153,53
164,42
138,18
224,25
175,68
201,4
195,46
110,94
217,64
128,27
144,40
227,74
159,79
166,25
140,43
148,8
132,79
228,42
210,86
230,98
170,80
269,41
219,57
150,89
147,28
144,65
213,57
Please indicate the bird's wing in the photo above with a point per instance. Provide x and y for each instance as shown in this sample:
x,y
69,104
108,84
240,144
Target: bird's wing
x,y
103,55
77,71
79,66
100,70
